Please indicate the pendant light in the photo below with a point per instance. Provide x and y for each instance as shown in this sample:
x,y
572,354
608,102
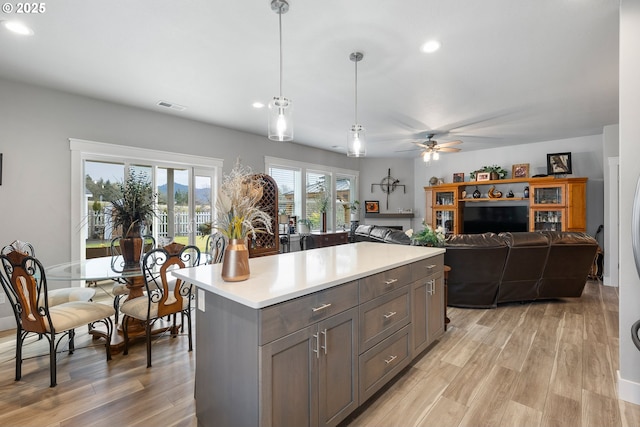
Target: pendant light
x,y
356,142
280,118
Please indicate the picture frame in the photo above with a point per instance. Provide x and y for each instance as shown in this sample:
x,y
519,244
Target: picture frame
x,y
559,164
371,206
520,170
483,176
293,224
458,177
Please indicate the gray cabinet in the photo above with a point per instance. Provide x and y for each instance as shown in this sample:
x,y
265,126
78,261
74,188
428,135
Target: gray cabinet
x,y
427,303
310,377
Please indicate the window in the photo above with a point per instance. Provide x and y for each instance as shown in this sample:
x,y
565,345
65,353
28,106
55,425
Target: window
x,y
185,186
305,189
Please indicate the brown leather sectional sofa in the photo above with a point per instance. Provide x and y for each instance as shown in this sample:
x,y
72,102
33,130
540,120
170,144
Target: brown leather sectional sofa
x,y
488,269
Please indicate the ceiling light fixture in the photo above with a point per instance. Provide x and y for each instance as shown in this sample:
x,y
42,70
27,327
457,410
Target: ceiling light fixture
x,y
431,46
280,117
356,143
17,27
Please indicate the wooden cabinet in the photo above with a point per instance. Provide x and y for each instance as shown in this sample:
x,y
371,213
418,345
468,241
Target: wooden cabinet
x,y
558,206
427,299
554,203
323,240
310,377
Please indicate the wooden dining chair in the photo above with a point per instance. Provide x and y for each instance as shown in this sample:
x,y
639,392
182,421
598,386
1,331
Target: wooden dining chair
x,y
215,246
164,295
25,284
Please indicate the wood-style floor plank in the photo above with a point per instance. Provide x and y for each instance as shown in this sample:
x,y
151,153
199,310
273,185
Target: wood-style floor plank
x,y
550,363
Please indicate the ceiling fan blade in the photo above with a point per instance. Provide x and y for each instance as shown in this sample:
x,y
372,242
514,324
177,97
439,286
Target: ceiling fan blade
x,y
449,143
449,149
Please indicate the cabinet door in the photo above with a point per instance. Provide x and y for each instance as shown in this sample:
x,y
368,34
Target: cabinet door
x,y
435,308
290,381
419,296
548,194
547,219
338,369
576,207
446,218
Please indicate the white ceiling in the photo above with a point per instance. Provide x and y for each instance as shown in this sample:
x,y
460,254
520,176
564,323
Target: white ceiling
x,y
508,72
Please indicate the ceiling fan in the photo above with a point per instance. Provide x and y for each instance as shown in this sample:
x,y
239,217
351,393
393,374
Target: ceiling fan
x,y
431,149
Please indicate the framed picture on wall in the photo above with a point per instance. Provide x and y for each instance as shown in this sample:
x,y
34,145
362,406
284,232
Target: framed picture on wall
x,y
458,177
483,176
559,164
520,170
371,206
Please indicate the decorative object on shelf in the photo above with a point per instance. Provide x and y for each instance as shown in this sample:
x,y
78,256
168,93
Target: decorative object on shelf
x,y
493,193
526,192
239,216
428,236
132,211
433,180
458,177
464,194
559,164
371,206
476,194
495,172
280,117
356,144
520,170
389,184
510,195
483,176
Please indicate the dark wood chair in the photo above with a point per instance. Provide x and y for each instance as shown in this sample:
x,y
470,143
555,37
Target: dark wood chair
x,y
25,284
164,294
215,246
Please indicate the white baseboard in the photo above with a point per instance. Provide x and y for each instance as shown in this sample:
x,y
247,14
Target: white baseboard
x,y
628,391
7,323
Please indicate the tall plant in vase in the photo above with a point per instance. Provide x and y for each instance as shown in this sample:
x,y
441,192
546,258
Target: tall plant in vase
x,y
132,211
239,215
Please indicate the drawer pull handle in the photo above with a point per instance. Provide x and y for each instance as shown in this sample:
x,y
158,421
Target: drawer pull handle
x,y
322,307
324,333
389,315
430,266
390,359
390,281
432,287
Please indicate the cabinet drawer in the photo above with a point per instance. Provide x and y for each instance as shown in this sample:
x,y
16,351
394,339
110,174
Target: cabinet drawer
x,y
383,316
427,267
281,319
378,365
378,284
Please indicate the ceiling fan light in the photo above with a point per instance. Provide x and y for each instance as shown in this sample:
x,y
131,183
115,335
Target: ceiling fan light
x,y
436,155
356,142
426,156
280,119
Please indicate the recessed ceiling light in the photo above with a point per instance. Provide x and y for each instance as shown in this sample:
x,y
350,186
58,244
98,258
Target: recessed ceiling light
x,y
257,105
431,46
17,27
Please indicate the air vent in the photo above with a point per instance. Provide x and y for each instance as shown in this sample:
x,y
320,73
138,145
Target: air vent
x,y
176,107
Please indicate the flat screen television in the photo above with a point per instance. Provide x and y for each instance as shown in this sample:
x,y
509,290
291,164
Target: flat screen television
x,y
497,219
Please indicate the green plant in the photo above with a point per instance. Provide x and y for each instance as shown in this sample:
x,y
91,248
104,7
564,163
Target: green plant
x,y
237,205
493,168
134,206
323,201
354,206
428,236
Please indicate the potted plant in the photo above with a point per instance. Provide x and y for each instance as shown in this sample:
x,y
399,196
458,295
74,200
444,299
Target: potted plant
x,y
496,172
353,209
132,211
304,226
323,207
428,236
239,215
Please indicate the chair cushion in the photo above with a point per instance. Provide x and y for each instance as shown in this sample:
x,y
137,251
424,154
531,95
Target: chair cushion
x,y
61,296
74,314
137,307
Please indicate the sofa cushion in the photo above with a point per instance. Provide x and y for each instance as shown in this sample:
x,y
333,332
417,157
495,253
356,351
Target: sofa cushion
x,y
473,241
397,237
364,230
379,233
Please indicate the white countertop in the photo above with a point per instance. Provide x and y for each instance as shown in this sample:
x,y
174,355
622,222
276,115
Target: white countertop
x,y
282,277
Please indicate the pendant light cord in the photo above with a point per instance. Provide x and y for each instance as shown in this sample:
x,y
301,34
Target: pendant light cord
x,y
280,27
356,90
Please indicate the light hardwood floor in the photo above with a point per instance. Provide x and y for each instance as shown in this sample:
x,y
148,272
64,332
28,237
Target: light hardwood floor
x,y
538,364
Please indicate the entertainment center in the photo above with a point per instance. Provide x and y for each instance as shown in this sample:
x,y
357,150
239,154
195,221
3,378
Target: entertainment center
x,y
553,204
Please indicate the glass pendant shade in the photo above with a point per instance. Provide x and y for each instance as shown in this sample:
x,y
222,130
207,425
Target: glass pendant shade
x,y
356,145
426,156
280,119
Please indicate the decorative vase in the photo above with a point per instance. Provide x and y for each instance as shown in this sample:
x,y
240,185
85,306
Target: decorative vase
x,y
526,192
324,222
235,262
494,176
476,194
131,250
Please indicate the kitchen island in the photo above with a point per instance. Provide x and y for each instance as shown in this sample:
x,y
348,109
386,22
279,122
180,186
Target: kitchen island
x,y
311,335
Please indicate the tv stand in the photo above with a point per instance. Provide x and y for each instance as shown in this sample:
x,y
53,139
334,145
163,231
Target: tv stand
x,y
556,204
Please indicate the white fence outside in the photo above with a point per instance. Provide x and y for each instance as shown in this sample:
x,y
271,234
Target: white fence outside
x,y
99,224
